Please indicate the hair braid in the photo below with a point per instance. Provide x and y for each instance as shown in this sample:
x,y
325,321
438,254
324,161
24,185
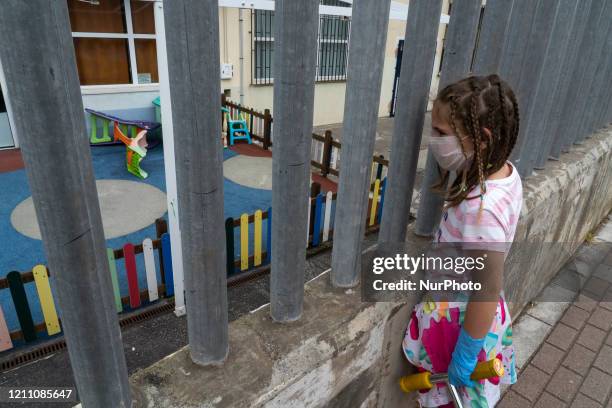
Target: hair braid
x,y
477,134
517,122
507,147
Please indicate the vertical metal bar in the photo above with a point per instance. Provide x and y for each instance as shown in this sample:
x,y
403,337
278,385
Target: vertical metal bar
x,y
294,67
325,49
514,47
412,98
530,83
561,99
556,56
459,48
336,47
368,40
192,38
492,33
576,94
253,47
604,94
39,67
598,60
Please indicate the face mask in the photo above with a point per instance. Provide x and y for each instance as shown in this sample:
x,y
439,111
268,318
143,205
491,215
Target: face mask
x,y
448,153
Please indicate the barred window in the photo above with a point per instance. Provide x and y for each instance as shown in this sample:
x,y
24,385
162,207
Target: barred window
x,y
333,44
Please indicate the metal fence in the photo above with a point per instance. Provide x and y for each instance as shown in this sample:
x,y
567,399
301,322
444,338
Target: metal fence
x,y
554,53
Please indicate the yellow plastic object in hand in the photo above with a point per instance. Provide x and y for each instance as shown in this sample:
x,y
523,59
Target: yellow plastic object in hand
x,y
416,382
423,381
488,369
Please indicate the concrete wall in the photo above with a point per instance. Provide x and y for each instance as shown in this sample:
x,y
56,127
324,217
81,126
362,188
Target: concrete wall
x,y
347,353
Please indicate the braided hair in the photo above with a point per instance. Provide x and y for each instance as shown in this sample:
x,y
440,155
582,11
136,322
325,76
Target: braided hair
x,y
475,103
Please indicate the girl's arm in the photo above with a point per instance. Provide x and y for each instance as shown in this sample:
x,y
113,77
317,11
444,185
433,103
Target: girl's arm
x,y
479,315
481,308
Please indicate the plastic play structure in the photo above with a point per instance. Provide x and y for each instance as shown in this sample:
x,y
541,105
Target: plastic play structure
x,y
136,150
131,127
237,128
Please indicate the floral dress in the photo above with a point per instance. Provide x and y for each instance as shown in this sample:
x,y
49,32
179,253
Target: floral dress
x,y
434,327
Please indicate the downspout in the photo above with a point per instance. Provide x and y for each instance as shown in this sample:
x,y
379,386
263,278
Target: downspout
x,y
241,51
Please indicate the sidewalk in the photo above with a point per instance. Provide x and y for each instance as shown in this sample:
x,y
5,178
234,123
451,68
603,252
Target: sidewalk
x,y
572,367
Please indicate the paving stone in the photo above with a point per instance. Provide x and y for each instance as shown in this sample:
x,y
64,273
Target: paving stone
x,y
583,268
579,359
575,317
562,336
556,293
604,272
597,385
513,400
608,259
601,318
531,382
596,287
604,234
548,401
548,358
570,279
593,252
607,298
530,333
591,337
549,312
564,384
604,359
606,303
585,303
582,401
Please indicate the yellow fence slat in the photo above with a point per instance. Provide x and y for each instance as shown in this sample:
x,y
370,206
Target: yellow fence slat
x,y
41,278
374,202
258,237
373,172
244,242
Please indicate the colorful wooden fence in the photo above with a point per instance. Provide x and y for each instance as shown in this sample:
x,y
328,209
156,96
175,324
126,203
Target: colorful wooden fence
x,y
30,331
259,123
249,229
325,150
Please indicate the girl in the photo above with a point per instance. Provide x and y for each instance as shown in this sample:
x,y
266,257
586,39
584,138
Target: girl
x,y
475,124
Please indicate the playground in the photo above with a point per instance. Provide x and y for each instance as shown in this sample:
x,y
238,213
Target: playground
x,y
133,203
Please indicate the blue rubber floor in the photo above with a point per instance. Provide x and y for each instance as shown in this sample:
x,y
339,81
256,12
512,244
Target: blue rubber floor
x,y
20,253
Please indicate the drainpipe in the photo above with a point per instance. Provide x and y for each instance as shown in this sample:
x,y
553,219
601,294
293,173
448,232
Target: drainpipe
x,y
241,48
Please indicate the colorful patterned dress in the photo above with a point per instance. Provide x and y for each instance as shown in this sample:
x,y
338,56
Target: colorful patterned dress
x,y
434,326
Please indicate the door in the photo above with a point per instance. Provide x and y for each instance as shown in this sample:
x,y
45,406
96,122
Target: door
x,y
6,137
398,67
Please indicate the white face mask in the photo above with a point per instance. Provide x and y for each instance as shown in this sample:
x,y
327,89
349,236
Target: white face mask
x,y
448,153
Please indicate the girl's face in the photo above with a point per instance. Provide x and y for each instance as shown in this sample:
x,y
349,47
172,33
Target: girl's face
x,y
440,123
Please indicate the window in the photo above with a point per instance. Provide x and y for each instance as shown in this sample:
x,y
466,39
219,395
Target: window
x,y
114,41
333,43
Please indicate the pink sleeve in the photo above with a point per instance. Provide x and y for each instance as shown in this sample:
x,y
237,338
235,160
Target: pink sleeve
x,y
486,232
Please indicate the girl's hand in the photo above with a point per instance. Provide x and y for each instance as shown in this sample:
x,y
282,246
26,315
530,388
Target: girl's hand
x,y
465,358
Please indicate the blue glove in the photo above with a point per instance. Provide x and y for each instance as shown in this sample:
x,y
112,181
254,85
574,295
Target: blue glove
x,y
465,358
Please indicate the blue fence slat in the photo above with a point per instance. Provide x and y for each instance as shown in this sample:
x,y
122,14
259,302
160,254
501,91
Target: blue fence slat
x,y
316,230
383,188
165,241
